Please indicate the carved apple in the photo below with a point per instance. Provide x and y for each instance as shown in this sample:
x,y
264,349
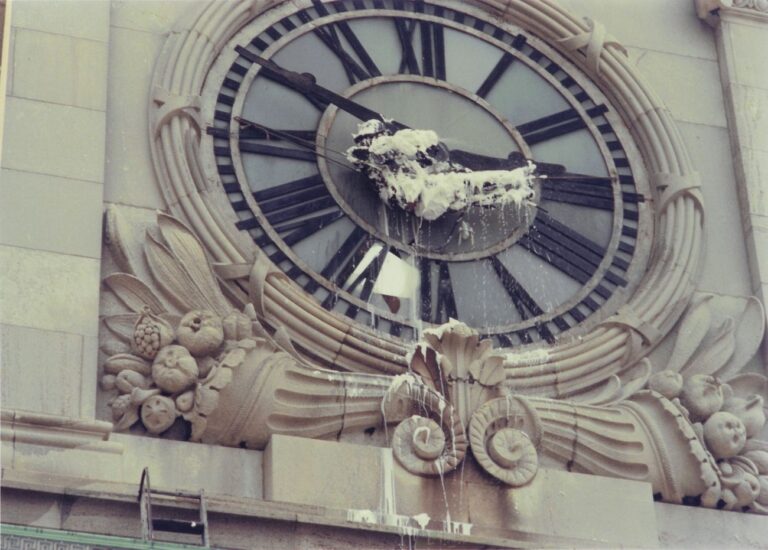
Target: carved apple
x,y
201,332
702,395
750,412
158,413
667,382
174,369
724,435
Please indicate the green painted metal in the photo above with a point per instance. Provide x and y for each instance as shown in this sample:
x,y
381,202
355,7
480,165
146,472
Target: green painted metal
x,y
91,539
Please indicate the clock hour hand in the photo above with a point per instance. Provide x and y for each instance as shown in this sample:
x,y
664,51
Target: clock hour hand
x,y
306,84
477,162
287,135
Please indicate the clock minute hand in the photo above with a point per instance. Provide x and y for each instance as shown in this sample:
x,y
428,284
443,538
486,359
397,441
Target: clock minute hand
x,y
305,83
477,162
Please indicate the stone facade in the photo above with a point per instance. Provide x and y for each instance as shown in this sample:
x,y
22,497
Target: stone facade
x,y
80,124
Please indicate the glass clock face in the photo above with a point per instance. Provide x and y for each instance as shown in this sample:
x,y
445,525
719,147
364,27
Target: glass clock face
x,y
289,93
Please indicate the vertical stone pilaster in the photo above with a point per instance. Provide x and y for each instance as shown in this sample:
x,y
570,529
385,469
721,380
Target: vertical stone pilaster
x,y
52,140
741,28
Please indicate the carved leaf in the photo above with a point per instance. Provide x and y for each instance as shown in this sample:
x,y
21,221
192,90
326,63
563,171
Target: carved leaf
x,y
283,340
220,379
749,335
115,229
133,293
693,329
206,400
748,384
172,278
233,358
491,371
641,373
190,253
714,356
129,418
122,325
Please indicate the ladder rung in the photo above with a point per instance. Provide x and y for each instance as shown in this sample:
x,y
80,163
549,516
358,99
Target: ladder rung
x,y
178,526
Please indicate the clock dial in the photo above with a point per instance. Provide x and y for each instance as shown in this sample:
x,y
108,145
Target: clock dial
x,y
293,88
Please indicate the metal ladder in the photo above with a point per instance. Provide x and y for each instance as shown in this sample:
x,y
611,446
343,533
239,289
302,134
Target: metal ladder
x,y
149,524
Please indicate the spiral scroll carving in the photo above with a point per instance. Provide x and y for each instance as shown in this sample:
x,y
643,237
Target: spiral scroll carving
x,y
429,439
504,434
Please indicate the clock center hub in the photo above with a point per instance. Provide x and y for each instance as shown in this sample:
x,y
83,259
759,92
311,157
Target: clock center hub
x,y
463,121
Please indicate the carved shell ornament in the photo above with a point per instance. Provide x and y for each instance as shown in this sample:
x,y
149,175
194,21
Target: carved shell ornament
x,y
200,320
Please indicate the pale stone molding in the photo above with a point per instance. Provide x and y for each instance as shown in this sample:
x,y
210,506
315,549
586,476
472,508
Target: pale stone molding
x,y
712,10
56,431
577,365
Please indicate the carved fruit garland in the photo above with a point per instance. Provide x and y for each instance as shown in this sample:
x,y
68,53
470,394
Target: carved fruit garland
x,y
178,381
716,338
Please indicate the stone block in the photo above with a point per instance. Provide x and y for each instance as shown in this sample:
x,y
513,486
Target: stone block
x,y
754,169
699,101
49,291
154,16
564,507
31,509
555,509
747,41
129,176
750,106
690,527
724,269
191,466
44,212
60,69
42,370
324,473
54,139
79,18
660,25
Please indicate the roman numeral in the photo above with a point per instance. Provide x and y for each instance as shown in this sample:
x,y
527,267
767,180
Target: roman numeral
x,y
496,73
555,125
405,29
444,300
563,248
330,37
343,262
295,210
367,278
525,305
591,191
432,48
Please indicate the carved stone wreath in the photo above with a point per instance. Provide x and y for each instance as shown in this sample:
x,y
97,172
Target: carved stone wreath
x,y
613,348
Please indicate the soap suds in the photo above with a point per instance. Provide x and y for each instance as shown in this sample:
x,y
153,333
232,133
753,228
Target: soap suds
x,y
412,170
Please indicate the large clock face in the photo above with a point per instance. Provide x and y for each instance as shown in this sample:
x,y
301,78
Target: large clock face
x,y
290,91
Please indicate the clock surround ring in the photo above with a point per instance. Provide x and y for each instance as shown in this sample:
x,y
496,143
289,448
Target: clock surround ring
x,y
571,367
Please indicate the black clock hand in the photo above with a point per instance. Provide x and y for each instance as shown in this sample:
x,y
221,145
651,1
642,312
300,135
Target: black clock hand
x,y
270,133
477,162
306,84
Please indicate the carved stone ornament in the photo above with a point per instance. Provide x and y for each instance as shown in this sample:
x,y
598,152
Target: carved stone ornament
x,y
213,335
691,433
710,10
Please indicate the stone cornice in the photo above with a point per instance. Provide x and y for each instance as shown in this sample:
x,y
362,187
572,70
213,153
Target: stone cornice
x,y
56,431
713,11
